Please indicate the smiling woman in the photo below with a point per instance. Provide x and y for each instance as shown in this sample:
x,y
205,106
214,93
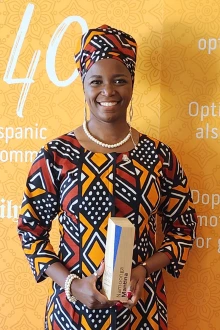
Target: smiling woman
x,y
106,168
108,92
108,86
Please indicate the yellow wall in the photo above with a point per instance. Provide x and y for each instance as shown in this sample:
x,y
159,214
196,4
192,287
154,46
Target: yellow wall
x,y
176,99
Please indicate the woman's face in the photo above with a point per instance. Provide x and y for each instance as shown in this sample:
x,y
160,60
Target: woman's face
x,y
108,90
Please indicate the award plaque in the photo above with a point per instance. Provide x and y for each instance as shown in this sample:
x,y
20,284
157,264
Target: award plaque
x,y
118,258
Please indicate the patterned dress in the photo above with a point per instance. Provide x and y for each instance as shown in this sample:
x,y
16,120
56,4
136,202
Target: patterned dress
x,y
86,188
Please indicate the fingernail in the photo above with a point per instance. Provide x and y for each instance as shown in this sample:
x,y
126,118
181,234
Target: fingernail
x,y
129,294
118,307
118,304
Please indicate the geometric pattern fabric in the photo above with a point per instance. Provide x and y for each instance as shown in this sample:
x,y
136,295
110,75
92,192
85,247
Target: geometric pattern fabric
x,y
84,189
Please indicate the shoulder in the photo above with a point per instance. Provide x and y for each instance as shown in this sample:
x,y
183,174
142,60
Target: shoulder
x,y
63,142
65,146
160,146
164,152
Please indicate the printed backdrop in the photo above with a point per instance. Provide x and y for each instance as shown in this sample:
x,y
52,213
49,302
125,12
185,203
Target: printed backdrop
x,y
176,99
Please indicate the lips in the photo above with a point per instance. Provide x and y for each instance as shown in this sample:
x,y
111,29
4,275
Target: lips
x,y
108,104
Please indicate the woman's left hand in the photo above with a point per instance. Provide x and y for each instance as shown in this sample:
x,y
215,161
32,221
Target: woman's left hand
x,y
135,288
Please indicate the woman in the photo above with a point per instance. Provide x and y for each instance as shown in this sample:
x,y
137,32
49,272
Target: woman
x,y
106,168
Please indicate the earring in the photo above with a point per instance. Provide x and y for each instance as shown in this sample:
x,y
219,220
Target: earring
x,y
85,112
130,119
130,113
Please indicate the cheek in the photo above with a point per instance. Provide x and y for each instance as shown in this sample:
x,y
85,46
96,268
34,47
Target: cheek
x,y
90,100
90,96
87,96
128,97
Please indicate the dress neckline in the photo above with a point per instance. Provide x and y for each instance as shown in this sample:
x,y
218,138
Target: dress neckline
x,y
108,153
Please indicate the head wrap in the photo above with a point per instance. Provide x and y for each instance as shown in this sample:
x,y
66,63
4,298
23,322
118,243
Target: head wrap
x,y
105,42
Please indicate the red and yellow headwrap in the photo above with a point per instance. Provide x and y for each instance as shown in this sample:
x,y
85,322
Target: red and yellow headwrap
x,y
105,42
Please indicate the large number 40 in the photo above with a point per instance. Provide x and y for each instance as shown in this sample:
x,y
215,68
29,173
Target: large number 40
x,y
50,56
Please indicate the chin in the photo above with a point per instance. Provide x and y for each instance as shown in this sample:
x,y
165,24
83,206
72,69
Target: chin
x,y
112,118
109,119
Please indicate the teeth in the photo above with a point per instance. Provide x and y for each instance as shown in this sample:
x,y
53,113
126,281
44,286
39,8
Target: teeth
x,y
108,104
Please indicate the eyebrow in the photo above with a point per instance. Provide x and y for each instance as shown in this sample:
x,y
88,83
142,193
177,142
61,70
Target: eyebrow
x,y
115,75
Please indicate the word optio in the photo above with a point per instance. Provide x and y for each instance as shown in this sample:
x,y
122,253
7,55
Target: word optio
x,y
50,56
204,111
210,44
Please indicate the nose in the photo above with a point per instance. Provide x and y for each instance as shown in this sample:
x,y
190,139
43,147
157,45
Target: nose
x,y
108,90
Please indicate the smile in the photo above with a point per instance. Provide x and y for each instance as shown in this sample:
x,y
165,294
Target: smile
x,y
108,104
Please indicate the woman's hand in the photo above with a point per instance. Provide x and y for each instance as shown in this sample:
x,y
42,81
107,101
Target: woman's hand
x,y
138,275
86,292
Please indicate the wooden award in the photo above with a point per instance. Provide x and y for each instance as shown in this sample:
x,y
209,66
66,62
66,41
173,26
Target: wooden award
x,y
118,258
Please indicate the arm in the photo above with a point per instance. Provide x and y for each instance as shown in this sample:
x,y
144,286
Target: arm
x,y
178,224
139,274
158,261
39,207
83,289
179,220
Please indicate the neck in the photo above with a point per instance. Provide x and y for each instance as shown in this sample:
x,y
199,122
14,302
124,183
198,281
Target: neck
x,y
103,143
108,132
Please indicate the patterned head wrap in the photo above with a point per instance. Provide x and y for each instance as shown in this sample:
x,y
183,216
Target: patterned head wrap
x,y
105,42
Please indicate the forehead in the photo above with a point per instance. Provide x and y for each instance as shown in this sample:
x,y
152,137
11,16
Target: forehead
x,y
108,67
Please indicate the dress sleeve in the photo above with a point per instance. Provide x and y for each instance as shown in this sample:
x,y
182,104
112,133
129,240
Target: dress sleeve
x,y
39,207
177,212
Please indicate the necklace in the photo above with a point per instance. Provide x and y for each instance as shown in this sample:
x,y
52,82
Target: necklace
x,y
105,145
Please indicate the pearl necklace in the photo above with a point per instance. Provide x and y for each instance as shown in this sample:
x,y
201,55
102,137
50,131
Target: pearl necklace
x,y
105,145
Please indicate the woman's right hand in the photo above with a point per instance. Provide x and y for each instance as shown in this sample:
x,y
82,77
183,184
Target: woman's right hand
x,y
86,292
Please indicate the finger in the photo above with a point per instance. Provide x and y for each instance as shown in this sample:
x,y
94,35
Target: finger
x,y
96,274
103,300
100,298
100,270
132,287
134,299
128,304
137,294
109,304
129,294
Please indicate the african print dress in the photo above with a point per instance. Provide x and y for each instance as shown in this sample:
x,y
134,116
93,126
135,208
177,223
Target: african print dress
x,y
86,188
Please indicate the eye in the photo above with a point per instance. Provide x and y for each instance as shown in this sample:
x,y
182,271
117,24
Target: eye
x,y
95,82
120,81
